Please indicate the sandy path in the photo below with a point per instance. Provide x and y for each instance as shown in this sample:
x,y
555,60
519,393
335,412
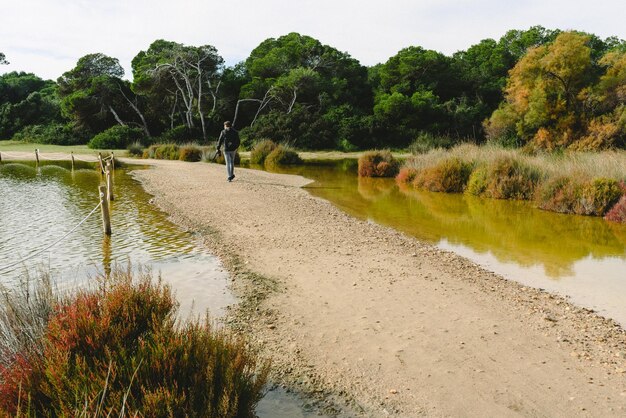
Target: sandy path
x,y
366,316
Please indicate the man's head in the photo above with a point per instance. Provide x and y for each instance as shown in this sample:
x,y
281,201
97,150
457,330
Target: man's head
x,y
227,124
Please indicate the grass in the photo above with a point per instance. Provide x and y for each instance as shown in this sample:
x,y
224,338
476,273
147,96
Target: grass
x,y
118,350
585,183
19,146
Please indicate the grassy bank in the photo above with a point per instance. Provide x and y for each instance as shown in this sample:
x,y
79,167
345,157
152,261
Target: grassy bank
x,y
581,183
20,146
119,350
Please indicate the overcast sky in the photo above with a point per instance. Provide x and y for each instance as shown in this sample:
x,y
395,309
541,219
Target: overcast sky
x,y
47,37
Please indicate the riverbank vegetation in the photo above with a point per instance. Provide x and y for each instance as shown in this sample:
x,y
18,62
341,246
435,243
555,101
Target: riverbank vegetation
x,y
566,182
119,350
537,88
377,164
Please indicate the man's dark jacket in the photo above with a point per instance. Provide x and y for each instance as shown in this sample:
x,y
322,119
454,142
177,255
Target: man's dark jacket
x,y
230,139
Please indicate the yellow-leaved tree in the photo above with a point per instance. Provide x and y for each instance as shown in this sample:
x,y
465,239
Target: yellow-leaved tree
x,y
545,97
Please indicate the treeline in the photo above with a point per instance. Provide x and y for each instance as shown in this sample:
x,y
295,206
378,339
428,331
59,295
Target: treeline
x,y
538,88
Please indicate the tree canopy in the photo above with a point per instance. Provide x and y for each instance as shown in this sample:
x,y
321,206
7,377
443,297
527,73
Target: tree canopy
x,y
537,87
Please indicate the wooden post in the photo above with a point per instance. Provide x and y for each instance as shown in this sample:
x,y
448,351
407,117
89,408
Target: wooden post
x,y
37,155
72,155
104,208
101,164
109,177
112,161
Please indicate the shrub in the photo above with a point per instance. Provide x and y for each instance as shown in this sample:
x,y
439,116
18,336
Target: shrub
x,y
406,175
120,351
557,195
618,212
598,196
116,137
477,182
166,152
449,175
261,150
55,133
282,156
378,164
181,134
508,178
566,195
190,153
426,141
136,149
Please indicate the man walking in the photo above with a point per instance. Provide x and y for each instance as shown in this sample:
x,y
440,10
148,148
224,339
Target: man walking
x,y
230,138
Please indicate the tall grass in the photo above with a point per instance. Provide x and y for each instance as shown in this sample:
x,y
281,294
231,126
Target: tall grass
x,y
119,350
568,182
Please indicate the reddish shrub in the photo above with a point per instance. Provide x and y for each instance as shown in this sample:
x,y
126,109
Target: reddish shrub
x,y
618,211
378,164
406,175
125,342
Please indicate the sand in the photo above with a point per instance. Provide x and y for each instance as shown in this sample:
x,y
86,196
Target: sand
x,y
370,322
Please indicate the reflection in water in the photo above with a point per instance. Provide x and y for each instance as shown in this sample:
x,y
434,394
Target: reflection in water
x,y
40,204
582,257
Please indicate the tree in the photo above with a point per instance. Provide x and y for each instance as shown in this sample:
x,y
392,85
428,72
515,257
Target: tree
x,y
306,86
26,100
547,93
3,60
91,93
184,77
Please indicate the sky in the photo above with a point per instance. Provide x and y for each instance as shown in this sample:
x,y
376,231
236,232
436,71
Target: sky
x,y
47,37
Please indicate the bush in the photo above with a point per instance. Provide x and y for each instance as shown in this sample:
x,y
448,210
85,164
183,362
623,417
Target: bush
x,y
557,194
261,150
406,175
51,134
190,153
618,212
181,134
565,195
282,156
508,178
378,164
116,137
450,175
166,152
477,182
598,196
135,149
426,141
121,351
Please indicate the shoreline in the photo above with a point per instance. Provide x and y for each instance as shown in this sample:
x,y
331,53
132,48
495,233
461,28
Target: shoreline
x,y
367,321
325,342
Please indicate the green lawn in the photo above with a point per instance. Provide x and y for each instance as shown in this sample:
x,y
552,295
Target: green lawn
x,y
15,146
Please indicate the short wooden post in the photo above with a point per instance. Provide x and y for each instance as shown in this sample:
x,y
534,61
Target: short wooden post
x,y
104,208
101,164
37,155
109,177
112,161
72,155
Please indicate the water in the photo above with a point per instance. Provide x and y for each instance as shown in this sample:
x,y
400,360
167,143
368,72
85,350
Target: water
x,y
40,205
583,258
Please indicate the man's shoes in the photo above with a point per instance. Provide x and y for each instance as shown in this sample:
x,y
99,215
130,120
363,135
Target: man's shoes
x,y
231,178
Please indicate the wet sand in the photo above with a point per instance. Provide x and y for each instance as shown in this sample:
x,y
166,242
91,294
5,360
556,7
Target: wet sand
x,y
371,322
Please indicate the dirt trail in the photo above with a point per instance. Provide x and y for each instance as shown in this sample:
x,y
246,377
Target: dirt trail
x,y
377,323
